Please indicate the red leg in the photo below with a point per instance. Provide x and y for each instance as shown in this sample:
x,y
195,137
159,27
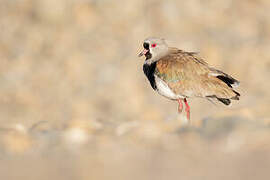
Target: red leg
x,y
180,105
187,109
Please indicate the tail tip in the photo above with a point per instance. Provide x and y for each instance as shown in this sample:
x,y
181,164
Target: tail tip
x,y
225,101
236,97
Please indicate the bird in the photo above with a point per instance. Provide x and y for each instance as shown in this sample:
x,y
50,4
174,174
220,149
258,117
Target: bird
x,y
178,75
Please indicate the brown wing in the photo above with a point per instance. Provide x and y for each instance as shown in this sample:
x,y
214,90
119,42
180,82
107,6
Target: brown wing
x,y
190,76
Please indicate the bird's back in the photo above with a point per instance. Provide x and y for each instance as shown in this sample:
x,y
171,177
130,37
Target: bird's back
x,y
188,75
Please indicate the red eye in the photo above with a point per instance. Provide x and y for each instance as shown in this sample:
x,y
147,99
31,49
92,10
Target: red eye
x,y
154,45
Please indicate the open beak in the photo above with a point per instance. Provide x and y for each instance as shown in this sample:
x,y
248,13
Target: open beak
x,y
143,52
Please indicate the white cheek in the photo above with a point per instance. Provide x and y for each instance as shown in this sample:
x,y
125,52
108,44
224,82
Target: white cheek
x,y
151,51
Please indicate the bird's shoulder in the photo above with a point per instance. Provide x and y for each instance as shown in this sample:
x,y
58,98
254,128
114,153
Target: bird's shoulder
x,y
179,62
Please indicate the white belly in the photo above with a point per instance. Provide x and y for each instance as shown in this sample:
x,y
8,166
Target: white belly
x,y
164,90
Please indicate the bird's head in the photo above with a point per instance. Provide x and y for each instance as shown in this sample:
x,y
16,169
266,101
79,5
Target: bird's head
x,y
154,49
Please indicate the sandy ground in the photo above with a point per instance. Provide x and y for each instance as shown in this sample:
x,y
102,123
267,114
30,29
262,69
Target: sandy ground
x,y
75,104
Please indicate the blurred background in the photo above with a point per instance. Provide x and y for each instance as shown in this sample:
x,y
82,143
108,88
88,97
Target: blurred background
x,y
75,104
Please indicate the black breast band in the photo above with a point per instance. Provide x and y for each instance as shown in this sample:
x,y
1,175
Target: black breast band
x,y
149,71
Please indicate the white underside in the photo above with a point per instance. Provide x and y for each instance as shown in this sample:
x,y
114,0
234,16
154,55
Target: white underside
x,y
164,90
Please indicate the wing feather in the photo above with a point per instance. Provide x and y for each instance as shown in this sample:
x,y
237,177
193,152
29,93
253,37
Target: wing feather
x,y
190,76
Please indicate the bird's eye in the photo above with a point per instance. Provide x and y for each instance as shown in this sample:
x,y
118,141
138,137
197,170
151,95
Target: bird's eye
x,y
154,45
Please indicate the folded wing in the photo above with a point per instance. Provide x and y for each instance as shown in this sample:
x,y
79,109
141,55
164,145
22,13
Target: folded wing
x,y
188,75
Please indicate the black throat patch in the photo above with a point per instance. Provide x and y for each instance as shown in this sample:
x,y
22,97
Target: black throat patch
x,y
148,55
149,70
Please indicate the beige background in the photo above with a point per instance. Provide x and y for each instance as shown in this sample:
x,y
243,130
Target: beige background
x,y
75,104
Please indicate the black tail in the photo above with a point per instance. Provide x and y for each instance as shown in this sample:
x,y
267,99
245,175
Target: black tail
x,y
228,80
228,101
224,101
236,97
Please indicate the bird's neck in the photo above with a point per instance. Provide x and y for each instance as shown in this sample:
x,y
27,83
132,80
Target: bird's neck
x,y
154,58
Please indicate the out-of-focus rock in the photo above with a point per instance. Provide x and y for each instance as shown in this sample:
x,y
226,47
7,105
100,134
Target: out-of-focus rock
x,y
52,11
17,140
79,132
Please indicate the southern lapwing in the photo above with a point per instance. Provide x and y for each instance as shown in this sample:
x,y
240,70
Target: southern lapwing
x,y
178,75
